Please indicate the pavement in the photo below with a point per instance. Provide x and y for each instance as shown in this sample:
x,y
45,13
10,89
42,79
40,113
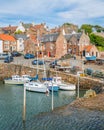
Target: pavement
x,y
27,62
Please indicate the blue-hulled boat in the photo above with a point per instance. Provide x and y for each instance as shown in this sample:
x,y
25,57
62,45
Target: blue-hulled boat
x,y
51,86
90,58
54,87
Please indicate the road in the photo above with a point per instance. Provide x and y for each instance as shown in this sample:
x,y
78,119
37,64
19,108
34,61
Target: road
x,y
27,62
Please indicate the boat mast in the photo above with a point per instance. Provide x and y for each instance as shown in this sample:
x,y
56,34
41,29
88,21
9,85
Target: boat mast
x,y
44,67
37,51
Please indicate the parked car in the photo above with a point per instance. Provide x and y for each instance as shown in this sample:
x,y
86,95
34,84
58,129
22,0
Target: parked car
x,y
8,59
53,64
15,54
39,62
29,56
4,55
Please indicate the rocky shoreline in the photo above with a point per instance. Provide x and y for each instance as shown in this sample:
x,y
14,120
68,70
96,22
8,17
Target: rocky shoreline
x,y
92,103
82,114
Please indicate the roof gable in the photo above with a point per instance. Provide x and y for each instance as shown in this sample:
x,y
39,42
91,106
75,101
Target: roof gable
x,y
23,36
69,36
6,37
88,48
50,37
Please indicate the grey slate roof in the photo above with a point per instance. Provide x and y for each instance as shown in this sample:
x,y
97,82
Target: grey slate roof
x,y
23,36
77,35
49,37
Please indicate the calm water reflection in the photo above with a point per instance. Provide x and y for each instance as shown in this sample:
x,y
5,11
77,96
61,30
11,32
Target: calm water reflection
x,y
11,104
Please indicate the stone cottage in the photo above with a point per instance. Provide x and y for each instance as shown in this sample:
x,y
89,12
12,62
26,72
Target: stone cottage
x,y
59,44
76,42
91,50
49,42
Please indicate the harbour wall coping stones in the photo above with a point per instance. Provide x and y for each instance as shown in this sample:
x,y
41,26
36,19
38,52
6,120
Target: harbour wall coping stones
x,y
7,70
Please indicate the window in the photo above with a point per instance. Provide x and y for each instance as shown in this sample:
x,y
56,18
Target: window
x,y
92,53
20,40
6,46
14,48
96,54
13,42
6,42
64,46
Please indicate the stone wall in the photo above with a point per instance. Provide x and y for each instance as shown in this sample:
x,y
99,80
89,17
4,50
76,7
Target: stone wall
x,y
7,70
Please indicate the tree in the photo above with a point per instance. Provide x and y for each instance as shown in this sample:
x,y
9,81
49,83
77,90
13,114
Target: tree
x,y
18,32
97,40
87,28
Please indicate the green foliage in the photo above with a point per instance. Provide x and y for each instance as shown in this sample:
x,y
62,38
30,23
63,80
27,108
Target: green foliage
x,y
18,32
98,28
97,40
68,24
87,28
100,48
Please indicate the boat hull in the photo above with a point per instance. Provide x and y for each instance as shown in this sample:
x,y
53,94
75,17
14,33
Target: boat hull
x,y
36,87
10,81
67,87
91,58
53,88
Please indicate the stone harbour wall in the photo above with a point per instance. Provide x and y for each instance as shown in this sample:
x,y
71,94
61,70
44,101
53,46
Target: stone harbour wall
x,y
7,70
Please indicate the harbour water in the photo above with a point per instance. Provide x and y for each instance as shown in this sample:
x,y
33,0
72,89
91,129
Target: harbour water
x,y
38,111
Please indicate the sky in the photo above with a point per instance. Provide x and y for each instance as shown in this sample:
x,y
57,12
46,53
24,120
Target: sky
x,y
52,12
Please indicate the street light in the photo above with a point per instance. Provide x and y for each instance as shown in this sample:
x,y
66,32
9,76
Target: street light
x,y
52,96
24,105
78,76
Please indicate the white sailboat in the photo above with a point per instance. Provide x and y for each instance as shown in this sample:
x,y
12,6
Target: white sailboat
x,y
63,85
36,86
50,85
16,79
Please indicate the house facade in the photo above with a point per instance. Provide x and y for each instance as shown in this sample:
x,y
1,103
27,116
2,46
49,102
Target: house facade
x,y
7,43
20,41
91,50
76,42
61,46
29,45
49,43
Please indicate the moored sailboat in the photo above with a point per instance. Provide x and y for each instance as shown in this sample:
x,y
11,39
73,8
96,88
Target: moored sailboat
x,y
16,79
63,85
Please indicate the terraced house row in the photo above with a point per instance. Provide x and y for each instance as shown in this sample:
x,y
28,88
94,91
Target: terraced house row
x,y
56,42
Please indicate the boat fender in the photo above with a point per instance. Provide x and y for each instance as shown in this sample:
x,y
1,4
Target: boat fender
x,y
47,92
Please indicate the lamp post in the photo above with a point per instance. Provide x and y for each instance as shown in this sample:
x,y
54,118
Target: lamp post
x,y
24,105
52,96
78,76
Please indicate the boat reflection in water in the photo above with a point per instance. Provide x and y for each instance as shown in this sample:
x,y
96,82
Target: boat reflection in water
x,y
11,103
67,95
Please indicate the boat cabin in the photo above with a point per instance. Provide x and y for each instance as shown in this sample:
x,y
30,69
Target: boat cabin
x,y
57,79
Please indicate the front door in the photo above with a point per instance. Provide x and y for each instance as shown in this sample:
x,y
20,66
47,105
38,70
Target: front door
x,y
10,48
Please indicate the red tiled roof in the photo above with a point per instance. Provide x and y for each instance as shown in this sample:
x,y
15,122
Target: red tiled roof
x,y
6,37
10,28
88,48
36,27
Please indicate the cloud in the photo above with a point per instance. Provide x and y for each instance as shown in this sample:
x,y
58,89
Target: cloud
x,y
52,12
